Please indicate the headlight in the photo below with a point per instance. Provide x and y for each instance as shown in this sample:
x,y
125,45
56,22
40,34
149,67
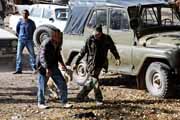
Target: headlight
x,y
14,43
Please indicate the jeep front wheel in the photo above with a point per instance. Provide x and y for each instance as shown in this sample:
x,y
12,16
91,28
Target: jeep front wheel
x,y
158,79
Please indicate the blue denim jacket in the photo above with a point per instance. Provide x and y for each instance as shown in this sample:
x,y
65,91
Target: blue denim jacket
x,y
25,30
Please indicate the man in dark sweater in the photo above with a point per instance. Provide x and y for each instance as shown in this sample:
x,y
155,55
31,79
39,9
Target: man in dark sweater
x,y
96,48
47,62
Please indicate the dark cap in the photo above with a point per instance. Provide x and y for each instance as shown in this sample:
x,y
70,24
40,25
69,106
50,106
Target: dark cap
x,y
25,11
99,28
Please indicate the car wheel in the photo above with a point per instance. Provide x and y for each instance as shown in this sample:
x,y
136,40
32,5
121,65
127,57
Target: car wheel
x,y
41,33
80,74
158,79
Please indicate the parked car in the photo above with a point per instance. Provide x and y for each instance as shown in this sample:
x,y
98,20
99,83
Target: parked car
x,y
41,14
145,32
8,43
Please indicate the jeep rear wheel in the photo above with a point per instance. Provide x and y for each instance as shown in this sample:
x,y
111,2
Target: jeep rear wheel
x,y
80,74
158,80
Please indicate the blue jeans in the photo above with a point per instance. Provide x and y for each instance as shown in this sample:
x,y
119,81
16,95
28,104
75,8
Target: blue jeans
x,y
59,81
32,57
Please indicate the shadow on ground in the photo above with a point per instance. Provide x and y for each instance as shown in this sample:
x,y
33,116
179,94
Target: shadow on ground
x,y
9,64
131,109
15,95
130,82
123,81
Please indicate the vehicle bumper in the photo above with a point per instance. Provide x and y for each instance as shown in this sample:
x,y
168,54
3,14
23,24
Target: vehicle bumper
x,y
8,56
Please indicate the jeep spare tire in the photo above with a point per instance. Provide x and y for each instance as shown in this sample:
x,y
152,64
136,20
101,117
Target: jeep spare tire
x,y
158,80
80,74
41,33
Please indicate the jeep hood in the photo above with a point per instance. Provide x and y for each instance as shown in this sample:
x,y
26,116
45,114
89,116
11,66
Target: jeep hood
x,y
153,30
6,35
161,40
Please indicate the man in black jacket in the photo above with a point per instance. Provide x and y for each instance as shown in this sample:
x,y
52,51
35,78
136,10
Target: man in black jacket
x,y
96,49
47,62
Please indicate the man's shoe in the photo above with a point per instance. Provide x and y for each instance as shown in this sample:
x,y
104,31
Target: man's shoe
x,y
18,72
99,103
67,105
42,106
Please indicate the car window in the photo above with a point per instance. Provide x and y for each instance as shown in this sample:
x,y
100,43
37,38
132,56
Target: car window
x,y
61,14
118,19
1,22
98,17
1,8
46,13
36,12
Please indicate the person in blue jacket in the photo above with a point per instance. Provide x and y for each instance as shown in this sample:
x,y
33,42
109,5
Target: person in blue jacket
x,y
25,29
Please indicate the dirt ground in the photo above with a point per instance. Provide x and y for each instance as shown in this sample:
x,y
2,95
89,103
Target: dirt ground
x,y
121,101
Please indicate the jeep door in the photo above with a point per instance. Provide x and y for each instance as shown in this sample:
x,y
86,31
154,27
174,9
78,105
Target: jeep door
x,y
56,17
122,35
97,16
47,14
36,15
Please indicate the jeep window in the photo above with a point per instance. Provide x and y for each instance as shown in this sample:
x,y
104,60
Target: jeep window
x,y
169,17
149,17
46,13
118,19
164,16
61,14
98,17
36,12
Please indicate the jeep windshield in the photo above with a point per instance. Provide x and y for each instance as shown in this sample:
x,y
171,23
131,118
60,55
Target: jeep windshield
x,y
156,19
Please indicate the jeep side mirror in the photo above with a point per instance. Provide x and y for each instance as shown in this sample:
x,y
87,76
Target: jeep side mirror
x,y
51,19
134,23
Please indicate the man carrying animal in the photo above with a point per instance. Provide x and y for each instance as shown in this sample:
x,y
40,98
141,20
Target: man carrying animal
x,y
95,49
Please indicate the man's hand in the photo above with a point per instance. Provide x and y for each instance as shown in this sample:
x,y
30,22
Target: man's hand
x,y
118,62
178,3
48,72
63,68
74,66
